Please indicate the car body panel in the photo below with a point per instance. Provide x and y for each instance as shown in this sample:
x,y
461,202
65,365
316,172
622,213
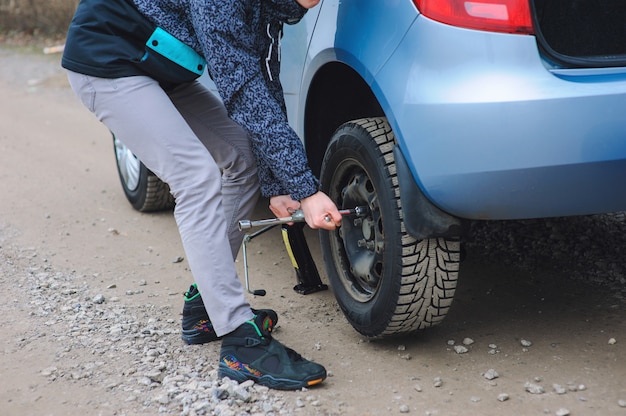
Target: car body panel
x,y
318,40
491,133
488,129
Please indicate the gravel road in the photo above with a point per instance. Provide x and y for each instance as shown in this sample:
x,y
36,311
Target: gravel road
x,y
91,295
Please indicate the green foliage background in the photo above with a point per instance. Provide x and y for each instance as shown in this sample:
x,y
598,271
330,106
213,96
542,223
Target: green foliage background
x,y
36,17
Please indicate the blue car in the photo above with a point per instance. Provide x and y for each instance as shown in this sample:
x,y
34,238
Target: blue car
x,y
435,113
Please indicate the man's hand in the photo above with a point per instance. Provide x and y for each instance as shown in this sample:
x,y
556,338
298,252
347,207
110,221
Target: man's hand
x,y
317,209
283,206
307,4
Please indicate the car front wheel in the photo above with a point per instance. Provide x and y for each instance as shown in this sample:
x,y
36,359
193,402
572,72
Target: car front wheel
x,y
385,281
143,189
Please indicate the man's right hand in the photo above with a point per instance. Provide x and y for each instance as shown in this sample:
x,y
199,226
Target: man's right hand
x,y
320,211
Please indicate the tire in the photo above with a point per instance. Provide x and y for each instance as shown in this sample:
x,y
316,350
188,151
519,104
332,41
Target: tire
x,y
143,189
385,281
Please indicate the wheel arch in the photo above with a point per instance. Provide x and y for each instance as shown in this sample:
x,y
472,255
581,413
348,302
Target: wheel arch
x,y
336,94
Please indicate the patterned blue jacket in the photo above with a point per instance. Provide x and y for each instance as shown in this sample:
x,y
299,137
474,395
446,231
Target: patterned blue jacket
x,y
240,40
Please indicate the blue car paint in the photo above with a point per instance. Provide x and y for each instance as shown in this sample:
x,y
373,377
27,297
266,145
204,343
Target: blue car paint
x,y
495,135
488,129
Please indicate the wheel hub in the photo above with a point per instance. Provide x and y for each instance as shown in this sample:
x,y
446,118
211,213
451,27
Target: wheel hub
x,y
362,239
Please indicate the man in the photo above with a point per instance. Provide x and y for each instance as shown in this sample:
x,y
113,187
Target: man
x,y
134,64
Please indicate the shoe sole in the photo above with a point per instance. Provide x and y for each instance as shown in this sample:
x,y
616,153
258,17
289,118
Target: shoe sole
x,y
270,381
194,337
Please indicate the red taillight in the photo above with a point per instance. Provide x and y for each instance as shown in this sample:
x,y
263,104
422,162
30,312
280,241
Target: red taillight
x,y
509,16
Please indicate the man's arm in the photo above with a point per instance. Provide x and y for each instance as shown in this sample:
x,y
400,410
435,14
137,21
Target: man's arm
x,y
234,62
233,56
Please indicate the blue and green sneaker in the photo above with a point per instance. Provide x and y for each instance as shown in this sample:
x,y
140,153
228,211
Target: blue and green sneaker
x,y
250,353
197,327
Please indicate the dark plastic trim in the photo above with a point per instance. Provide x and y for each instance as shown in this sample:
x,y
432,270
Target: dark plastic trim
x,y
422,219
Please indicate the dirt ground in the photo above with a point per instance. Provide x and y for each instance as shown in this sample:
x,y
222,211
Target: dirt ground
x,y
62,203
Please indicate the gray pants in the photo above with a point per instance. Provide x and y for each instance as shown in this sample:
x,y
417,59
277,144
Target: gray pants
x,y
185,137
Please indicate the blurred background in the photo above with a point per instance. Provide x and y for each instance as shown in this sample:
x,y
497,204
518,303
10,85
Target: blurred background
x,y
23,20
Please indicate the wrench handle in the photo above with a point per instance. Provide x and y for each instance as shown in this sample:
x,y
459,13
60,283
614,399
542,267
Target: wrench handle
x,y
297,216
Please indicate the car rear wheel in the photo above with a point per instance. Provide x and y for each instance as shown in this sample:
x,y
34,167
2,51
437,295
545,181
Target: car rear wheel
x,y
143,189
385,281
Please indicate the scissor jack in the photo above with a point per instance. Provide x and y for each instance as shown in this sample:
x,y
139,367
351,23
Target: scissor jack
x,y
307,275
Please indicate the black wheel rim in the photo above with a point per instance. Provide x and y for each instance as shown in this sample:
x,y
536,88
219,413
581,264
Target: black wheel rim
x,y
359,242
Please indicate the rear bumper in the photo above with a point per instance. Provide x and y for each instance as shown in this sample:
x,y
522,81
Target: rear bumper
x,y
490,133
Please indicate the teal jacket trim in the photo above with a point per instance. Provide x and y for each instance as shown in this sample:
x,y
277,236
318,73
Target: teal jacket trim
x,y
176,51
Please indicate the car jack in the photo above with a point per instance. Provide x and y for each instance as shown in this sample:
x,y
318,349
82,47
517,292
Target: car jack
x,y
307,275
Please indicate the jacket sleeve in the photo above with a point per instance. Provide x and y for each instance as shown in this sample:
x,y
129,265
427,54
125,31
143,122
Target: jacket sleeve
x,y
244,80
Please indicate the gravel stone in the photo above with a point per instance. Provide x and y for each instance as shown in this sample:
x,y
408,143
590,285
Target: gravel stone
x,y
98,299
460,349
534,388
503,397
468,341
491,374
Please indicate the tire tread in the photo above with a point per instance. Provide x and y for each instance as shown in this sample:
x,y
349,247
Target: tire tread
x,y
158,196
430,267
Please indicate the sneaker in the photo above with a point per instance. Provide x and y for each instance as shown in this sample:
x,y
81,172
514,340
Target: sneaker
x,y
197,327
250,353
